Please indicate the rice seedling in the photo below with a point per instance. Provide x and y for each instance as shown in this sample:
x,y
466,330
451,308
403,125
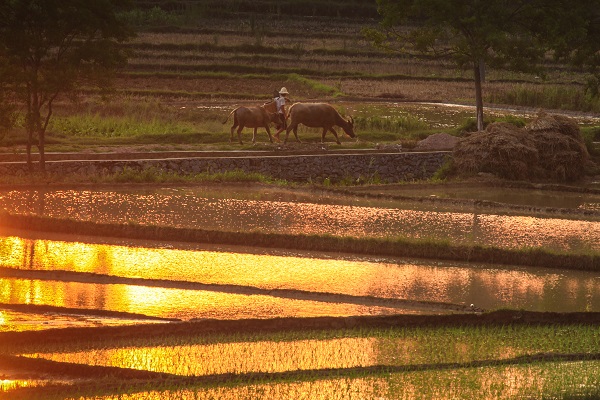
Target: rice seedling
x,y
393,347
460,362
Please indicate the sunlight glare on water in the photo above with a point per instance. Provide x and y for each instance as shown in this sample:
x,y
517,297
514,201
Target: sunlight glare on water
x,y
169,303
222,358
486,286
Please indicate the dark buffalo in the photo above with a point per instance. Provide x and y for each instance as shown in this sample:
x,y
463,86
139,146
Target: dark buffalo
x,y
318,115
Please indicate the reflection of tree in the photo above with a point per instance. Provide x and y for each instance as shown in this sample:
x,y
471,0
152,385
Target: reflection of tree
x,y
28,254
102,266
476,231
104,261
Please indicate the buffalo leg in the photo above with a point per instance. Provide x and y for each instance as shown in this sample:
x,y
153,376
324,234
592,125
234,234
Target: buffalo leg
x,y
296,134
269,133
334,134
232,129
240,133
287,132
254,136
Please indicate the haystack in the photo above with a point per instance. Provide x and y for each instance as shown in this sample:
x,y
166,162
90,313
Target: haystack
x,y
437,142
548,148
563,154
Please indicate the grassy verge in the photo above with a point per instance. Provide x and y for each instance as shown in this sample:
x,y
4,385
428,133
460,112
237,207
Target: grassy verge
x,y
150,175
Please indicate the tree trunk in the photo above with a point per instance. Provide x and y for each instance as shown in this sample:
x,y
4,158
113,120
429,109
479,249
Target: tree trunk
x,y
482,70
29,143
478,95
41,140
29,125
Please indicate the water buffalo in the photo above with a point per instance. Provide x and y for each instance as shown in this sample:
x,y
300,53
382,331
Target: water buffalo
x,y
252,117
318,115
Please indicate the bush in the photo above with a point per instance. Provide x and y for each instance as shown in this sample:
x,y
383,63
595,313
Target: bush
x,y
154,16
591,135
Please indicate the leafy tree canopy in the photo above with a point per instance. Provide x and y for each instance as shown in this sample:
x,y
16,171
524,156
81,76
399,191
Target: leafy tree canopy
x,y
49,47
512,34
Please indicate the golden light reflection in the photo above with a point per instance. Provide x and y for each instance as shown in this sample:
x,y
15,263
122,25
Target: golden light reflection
x,y
534,289
237,358
7,385
171,303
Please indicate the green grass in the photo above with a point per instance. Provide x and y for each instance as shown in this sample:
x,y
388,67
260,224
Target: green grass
x,y
153,175
559,97
150,175
391,125
116,127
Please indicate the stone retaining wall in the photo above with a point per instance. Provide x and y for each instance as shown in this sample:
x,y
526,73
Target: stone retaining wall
x,y
388,167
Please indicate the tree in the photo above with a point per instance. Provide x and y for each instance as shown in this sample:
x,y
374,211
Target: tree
x,y
580,44
511,34
52,47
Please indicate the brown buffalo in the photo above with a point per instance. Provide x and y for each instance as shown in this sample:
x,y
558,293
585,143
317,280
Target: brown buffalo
x,y
318,115
252,117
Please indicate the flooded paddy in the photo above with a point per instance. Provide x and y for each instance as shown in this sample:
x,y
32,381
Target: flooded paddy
x,y
170,280
411,363
169,303
499,382
15,321
285,211
399,347
65,282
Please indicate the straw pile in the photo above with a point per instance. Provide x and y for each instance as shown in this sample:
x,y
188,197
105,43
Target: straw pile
x,y
548,148
435,142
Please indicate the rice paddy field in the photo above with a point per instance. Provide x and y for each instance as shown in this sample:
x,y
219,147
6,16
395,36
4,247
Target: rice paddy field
x,y
98,317
94,316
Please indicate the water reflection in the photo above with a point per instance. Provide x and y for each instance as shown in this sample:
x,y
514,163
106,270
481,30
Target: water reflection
x,y
7,385
222,358
14,321
485,286
240,210
170,303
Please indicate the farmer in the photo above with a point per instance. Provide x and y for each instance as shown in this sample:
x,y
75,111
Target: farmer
x,y
280,102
